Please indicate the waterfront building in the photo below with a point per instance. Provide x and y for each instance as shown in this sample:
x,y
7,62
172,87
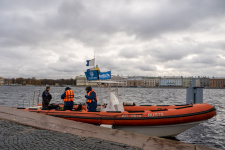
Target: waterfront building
x,y
204,82
82,81
1,81
135,81
217,82
187,81
151,81
121,79
171,81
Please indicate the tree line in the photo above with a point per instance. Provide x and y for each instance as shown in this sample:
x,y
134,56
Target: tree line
x,y
34,81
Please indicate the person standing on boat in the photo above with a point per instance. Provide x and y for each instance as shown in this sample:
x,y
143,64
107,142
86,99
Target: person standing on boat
x,y
67,97
91,99
46,98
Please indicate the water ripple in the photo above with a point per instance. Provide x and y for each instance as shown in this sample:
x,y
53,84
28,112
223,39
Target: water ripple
x,y
210,133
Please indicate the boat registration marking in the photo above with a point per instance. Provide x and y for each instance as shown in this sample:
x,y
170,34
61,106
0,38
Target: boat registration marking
x,y
155,114
134,116
149,115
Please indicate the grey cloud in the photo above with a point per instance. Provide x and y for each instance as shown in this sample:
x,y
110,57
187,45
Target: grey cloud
x,y
129,52
22,22
127,66
169,52
205,59
34,34
147,67
202,64
94,24
66,64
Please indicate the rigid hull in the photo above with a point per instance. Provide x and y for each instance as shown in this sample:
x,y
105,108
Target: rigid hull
x,y
151,120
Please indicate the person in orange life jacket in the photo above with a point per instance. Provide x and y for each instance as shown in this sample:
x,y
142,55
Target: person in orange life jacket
x,y
91,99
67,97
46,98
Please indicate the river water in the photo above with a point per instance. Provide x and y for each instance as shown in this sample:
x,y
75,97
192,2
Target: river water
x,y
210,133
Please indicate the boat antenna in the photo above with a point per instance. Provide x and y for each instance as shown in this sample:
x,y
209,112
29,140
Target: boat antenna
x,y
94,58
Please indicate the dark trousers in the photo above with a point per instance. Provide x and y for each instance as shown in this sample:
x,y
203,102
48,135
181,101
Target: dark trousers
x,y
91,109
45,106
92,106
68,105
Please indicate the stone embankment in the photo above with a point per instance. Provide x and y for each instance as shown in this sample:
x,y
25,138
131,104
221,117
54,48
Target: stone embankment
x,y
20,129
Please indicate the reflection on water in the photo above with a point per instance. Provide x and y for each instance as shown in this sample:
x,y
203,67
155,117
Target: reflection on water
x,y
210,133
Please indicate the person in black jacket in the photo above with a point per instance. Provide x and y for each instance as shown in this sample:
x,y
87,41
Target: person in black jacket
x,y
46,98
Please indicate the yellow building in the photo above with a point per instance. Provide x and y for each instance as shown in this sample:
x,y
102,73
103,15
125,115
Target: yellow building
x,y
1,81
187,82
151,81
82,81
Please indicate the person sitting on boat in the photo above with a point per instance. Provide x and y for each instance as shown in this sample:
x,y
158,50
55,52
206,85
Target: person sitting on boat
x,y
91,99
46,98
67,97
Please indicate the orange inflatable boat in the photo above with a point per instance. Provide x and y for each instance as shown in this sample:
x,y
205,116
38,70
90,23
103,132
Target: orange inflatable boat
x,y
155,120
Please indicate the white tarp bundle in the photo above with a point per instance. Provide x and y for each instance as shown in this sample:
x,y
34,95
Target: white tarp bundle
x,y
114,104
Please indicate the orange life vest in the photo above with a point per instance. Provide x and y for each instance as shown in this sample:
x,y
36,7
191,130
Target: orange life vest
x,y
69,96
90,100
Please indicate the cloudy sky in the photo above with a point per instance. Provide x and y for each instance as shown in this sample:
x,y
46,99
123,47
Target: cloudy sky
x,y
54,38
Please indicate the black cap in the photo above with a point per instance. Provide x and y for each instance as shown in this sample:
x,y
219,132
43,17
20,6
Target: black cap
x,y
87,88
67,88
